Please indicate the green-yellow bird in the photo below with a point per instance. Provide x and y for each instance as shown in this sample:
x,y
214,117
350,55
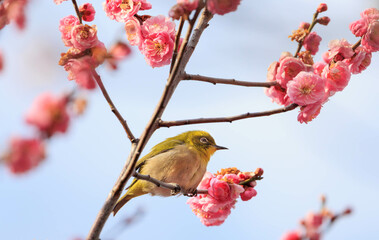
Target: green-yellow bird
x,y
182,159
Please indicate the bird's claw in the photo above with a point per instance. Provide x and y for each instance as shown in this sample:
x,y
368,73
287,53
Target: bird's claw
x,y
177,189
191,193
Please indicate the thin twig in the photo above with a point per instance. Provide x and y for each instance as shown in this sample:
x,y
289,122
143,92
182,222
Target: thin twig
x,y
113,107
226,119
177,41
152,125
215,81
356,44
176,188
77,11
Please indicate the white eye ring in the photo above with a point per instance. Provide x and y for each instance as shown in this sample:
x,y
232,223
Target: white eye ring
x,y
203,140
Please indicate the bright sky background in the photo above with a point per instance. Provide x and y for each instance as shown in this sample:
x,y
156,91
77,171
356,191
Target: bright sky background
x,y
336,154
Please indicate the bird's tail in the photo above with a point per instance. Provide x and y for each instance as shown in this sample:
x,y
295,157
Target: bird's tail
x,y
133,192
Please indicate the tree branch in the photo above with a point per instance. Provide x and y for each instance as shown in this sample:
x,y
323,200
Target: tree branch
x,y
226,119
77,11
215,81
113,107
128,169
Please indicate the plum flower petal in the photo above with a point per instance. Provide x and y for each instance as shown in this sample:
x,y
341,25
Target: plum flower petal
x,y
339,50
133,32
65,26
309,112
80,70
360,61
292,235
158,49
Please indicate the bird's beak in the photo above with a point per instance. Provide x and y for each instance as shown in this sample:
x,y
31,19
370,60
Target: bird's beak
x,y
220,147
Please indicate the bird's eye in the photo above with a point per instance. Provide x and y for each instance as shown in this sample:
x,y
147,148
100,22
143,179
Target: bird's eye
x,y
203,140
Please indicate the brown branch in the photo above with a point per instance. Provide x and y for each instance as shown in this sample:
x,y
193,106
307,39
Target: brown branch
x,y
153,124
177,41
226,119
113,107
311,26
215,81
356,44
77,11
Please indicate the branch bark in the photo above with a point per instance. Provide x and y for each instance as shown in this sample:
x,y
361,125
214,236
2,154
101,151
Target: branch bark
x,y
113,107
197,77
226,119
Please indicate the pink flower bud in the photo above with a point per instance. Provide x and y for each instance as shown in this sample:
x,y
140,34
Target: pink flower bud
x,y
87,12
322,7
248,194
176,12
292,235
304,25
323,20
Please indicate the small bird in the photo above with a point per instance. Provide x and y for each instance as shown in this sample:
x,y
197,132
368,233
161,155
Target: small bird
x,y
181,160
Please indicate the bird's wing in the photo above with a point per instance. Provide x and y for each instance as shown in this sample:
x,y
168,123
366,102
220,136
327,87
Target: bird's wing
x,y
162,147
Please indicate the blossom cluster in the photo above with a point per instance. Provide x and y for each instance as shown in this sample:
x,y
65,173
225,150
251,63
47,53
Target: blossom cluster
x,y
86,51
314,224
223,190
49,115
310,85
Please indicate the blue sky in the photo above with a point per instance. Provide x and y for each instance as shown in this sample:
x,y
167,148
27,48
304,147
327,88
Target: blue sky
x,y
335,155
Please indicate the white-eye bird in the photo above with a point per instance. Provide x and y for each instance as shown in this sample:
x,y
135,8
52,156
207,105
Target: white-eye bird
x,y
181,160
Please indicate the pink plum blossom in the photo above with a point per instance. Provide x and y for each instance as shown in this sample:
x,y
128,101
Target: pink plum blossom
x,y
370,41
84,36
65,26
337,75
311,42
222,7
360,61
16,12
87,12
118,52
158,34
370,14
158,49
123,10
80,70
318,67
359,27
59,1
338,50
276,93
133,31
24,154
309,112
188,5
48,113
306,88
292,235
158,24
289,67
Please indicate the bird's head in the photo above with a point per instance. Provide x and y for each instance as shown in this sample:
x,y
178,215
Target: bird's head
x,y
203,143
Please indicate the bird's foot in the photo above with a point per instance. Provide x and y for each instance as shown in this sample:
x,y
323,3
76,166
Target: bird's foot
x,y
177,189
191,193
